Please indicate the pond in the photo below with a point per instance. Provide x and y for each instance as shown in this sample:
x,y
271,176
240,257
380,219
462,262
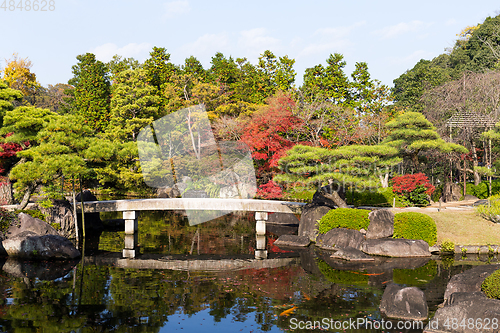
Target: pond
x,y
165,291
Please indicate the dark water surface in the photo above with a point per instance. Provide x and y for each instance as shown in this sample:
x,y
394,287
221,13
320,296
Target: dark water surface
x,y
164,291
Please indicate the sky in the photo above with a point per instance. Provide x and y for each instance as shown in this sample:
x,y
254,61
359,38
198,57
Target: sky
x,y
390,36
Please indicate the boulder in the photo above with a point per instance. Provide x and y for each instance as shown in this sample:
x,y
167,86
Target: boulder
x,y
469,281
283,218
61,213
381,224
309,218
292,240
28,223
340,238
282,224
351,254
28,245
166,192
399,247
405,303
466,313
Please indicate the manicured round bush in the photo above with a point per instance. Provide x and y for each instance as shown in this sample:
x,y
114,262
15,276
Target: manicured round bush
x,y
349,218
491,285
412,225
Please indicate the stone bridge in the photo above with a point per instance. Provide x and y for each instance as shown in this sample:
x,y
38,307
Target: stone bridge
x,y
130,209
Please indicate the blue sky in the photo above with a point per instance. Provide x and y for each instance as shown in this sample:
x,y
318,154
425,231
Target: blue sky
x,y
391,36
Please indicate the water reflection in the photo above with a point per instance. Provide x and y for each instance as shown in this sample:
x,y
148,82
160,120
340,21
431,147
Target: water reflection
x,y
101,294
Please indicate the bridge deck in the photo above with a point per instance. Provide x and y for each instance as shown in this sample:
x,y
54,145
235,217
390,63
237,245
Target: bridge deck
x,y
193,204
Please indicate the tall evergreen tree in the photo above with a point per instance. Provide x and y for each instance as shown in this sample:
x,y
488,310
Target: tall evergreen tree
x,y
92,91
7,96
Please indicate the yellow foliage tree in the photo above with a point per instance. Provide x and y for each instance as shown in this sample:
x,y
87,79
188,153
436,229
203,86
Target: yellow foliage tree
x,y
17,74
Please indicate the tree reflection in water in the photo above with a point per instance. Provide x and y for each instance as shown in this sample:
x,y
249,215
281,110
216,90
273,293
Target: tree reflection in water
x,y
87,297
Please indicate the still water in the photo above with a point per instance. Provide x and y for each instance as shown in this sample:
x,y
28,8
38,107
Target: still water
x,y
160,293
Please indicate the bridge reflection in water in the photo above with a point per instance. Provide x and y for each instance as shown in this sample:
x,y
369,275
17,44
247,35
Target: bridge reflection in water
x,y
131,209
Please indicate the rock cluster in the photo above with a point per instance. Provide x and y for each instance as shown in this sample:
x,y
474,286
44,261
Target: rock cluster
x,y
32,238
354,245
464,302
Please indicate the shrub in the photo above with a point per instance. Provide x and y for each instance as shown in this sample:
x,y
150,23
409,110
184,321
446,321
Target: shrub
x,y
349,218
33,213
492,210
491,285
447,246
412,225
481,190
415,188
270,190
382,197
6,219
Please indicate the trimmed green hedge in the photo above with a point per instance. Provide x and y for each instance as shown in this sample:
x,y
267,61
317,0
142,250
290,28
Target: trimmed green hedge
x,y
349,218
491,285
383,197
412,225
481,190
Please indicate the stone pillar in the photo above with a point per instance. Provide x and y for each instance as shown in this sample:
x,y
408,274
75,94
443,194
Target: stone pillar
x,y
131,248
260,228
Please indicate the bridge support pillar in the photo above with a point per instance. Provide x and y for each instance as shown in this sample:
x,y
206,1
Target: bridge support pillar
x,y
260,228
131,247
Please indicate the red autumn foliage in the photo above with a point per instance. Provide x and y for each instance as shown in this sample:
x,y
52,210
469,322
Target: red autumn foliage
x,y
270,190
7,150
268,133
408,183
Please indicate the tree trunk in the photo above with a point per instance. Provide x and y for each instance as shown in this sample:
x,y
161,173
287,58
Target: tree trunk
x,y
27,195
384,180
6,197
477,176
335,197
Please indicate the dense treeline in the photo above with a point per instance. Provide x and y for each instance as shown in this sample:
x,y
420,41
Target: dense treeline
x,y
87,128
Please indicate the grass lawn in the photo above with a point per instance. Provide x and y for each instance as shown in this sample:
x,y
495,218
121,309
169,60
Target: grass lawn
x,y
465,228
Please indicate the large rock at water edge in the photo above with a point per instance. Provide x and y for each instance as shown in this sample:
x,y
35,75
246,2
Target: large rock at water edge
x,y
352,254
399,247
309,218
469,281
466,313
405,303
381,224
340,238
32,224
292,240
61,213
27,245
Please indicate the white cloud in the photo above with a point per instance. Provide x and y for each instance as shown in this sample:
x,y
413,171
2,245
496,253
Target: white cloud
x,y
401,28
106,51
255,41
329,40
206,46
174,8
